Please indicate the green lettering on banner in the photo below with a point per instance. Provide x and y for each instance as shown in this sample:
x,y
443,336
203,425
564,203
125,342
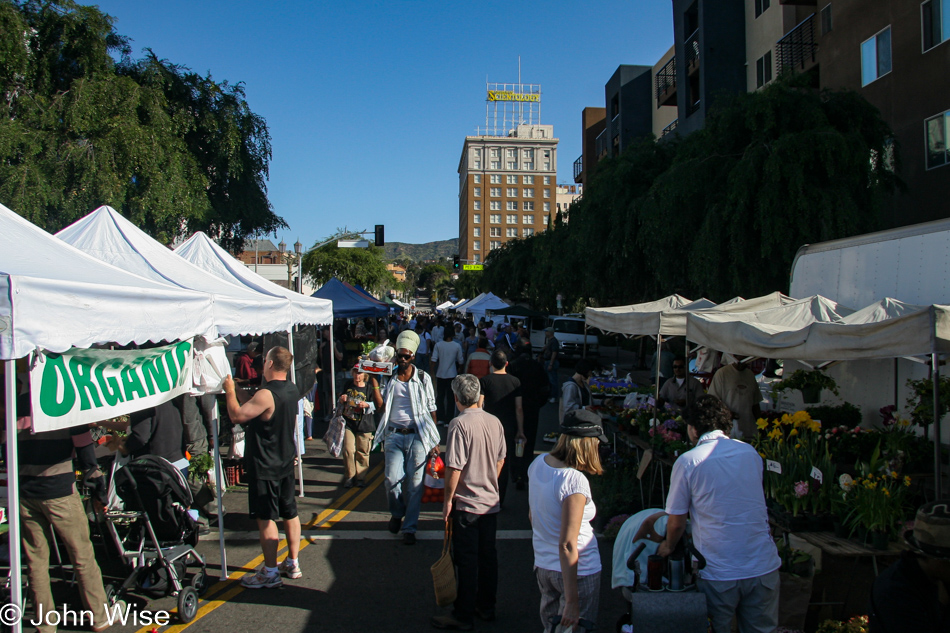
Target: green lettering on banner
x,y
109,386
55,374
172,368
81,370
131,383
153,371
181,354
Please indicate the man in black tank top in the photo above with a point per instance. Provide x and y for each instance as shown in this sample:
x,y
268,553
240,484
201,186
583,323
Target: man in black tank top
x,y
269,419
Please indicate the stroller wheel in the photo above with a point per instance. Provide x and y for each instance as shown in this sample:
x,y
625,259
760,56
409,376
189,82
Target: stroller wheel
x,y
187,604
111,594
200,581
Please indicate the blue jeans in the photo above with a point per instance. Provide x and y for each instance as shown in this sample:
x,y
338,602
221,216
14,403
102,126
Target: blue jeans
x,y
553,379
405,466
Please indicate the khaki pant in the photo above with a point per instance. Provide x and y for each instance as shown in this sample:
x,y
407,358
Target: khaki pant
x,y
66,514
356,448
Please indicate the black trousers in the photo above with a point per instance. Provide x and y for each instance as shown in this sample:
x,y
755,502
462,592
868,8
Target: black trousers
x,y
444,399
476,559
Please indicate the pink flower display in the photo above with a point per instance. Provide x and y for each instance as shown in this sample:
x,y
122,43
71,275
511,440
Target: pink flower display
x,y
801,489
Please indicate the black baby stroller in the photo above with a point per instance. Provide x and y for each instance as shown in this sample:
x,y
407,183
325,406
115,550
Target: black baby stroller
x,y
155,534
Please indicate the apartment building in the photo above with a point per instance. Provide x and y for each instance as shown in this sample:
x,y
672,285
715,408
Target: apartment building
x,y
507,188
566,196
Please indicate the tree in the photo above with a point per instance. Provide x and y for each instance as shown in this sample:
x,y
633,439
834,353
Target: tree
x,y
168,149
431,274
358,266
468,284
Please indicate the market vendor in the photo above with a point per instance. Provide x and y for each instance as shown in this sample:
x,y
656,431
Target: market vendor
x,y
736,386
719,485
913,595
680,389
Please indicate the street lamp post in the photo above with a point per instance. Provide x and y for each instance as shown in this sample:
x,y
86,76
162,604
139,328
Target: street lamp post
x,y
282,247
298,248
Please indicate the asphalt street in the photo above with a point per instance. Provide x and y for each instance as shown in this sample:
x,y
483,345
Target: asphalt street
x,y
357,577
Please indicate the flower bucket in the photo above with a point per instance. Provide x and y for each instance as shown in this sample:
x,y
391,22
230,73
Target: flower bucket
x,y
811,394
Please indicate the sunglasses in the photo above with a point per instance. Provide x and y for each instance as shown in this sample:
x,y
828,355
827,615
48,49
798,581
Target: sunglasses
x,y
404,356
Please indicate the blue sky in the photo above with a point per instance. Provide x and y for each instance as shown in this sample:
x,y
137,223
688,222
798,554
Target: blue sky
x,y
368,103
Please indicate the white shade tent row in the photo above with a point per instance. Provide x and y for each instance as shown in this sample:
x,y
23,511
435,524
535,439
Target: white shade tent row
x,y
56,297
811,330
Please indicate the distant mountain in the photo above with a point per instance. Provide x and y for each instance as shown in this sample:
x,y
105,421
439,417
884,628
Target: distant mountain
x,y
421,252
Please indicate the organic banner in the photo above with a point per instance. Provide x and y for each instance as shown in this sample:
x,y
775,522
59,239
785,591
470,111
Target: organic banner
x,y
89,385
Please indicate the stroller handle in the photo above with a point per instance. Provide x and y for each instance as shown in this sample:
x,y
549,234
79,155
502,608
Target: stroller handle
x,y
634,555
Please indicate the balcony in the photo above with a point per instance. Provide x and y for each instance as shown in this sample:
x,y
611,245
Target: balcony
x,y
578,168
691,46
666,84
669,128
796,51
600,144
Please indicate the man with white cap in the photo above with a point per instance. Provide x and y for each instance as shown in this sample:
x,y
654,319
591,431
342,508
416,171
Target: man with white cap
x,y
409,434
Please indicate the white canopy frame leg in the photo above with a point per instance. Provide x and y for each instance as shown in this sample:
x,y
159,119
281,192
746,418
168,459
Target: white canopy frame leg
x,y
13,491
938,483
297,442
332,370
219,488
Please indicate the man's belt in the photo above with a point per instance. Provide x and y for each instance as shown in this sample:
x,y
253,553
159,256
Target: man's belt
x,y
403,431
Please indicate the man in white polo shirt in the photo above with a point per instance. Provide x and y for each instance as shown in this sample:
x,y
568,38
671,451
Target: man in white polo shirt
x,y
719,484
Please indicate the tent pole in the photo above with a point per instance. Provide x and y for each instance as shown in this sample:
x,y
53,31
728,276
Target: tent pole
x,y
585,338
656,396
332,369
297,429
13,491
219,487
936,382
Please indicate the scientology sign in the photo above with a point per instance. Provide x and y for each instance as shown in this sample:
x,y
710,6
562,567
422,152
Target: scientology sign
x,y
82,386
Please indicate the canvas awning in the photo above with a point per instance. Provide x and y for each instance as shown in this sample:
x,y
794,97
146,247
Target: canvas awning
x,y
635,320
348,302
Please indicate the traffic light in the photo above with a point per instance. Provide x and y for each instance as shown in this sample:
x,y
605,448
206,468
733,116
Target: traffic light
x,y
455,263
380,239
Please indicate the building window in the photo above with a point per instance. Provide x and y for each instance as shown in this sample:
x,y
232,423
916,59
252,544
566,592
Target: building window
x,y
494,245
529,192
478,205
826,20
547,207
511,153
512,164
527,232
528,154
477,258
761,6
512,192
763,70
477,232
547,153
494,218
495,164
527,180
511,218
547,180
935,15
477,192
477,178
495,192
938,131
511,232
512,180
495,205
546,220
477,245
547,193
512,205
494,231
477,165
527,165
494,152
495,179
528,205
876,57
528,219
477,153
477,218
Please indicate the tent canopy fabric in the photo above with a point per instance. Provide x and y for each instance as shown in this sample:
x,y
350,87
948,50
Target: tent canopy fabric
x,y
445,305
886,329
483,303
109,237
363,291
56,297
348,302
637,319
204,253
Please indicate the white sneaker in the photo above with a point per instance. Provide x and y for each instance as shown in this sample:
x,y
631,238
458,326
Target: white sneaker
x,y
261,579
290,570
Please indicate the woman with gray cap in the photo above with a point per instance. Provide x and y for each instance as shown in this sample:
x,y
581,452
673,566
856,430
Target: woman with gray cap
x,y
566,558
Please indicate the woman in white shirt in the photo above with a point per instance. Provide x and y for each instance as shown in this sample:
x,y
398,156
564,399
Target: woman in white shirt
x,y
566,558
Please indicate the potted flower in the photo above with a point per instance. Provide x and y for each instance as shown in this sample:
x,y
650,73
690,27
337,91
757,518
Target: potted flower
x,y
876,499
810,383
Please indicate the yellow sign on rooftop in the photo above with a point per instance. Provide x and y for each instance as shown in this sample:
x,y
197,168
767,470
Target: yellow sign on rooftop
x,y
508,95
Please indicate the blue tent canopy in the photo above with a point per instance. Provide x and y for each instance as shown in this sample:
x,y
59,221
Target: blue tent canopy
x,y
348,302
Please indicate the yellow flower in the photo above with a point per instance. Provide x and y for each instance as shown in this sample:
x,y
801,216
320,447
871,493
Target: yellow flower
x,y
775,434
893,474
761,423
798,446
906,480
793,433
761,454
887,492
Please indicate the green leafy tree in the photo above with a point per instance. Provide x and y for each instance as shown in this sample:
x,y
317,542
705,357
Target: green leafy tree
x,y
468,284
358,266
430,276
170,150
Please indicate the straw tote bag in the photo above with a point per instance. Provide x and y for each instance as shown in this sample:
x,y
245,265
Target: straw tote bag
x,y
443,573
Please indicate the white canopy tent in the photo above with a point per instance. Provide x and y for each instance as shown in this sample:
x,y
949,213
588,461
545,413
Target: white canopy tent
x,y
817,329
465,302
445,305
204,253
483,303
56,297
638,319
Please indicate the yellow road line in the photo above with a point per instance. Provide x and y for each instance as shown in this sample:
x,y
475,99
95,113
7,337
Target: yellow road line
x,y
251,566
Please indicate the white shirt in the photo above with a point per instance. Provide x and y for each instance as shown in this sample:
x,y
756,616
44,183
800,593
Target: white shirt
x,y
401,415
548,487
447,354
719,483
422,398
437,332
424,339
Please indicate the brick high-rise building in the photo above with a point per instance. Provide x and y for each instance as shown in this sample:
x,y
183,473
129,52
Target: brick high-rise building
x,y
507,177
